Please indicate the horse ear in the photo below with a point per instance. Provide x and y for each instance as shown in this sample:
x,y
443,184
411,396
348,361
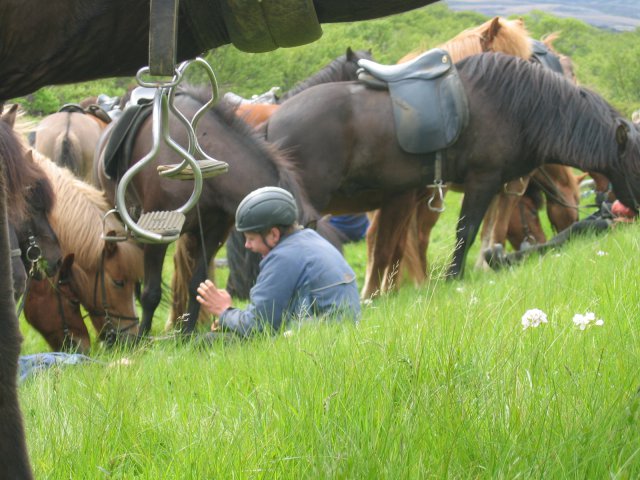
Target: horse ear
x,y
622,132
350,55
581,177
28,156
10,116
492,31
110,248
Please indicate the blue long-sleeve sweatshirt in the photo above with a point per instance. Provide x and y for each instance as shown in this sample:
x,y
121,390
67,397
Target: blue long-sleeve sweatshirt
x,y
303,276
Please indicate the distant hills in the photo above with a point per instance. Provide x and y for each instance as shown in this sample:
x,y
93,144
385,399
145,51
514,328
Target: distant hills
x,y
619,15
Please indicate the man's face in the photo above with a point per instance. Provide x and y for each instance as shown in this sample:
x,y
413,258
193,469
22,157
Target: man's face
x,y
255,242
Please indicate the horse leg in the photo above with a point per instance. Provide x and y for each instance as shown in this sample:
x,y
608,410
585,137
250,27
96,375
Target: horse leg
x,y
423,221
499,215
479,191
152,290
386,242
200,272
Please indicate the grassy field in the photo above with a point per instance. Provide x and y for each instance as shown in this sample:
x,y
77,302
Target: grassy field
x,y
438,381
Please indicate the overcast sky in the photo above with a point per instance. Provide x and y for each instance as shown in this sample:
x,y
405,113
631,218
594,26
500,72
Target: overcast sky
x,y
613,14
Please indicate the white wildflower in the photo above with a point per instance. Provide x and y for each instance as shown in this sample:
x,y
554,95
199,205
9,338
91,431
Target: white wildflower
x,y
601,253
588,319
533,318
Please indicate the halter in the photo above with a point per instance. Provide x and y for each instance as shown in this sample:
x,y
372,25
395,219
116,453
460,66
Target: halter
x,y
33,255
109,330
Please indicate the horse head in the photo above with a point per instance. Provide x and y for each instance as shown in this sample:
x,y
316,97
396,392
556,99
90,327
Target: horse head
x,y
111,303
53,309
36,238
350,65
625,176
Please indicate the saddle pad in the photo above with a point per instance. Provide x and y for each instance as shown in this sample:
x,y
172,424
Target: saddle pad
x,y
117,153
430,106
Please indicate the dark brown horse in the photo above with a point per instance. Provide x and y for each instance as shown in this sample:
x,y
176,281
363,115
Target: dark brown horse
x,y
521,116
13,449
41,34
252,163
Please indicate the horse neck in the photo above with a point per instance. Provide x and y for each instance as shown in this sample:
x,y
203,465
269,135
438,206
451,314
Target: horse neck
x,y
333,72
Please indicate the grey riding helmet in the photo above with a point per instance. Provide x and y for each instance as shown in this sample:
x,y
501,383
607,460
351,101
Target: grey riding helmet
x,y
264,208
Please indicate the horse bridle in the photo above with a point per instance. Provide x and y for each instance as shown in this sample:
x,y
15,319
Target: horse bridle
x,y
109,331
33,255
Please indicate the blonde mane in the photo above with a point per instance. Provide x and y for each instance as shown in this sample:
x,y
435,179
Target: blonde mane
x,y
495,35
77,219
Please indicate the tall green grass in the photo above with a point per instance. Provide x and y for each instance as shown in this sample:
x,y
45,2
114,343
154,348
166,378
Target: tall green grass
x,y
437,381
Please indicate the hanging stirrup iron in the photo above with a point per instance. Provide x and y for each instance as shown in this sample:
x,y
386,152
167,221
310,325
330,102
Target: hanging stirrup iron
x,y
165,226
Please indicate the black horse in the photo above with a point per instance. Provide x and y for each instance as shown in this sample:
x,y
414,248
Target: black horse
x,y
14,459
113,37
521,116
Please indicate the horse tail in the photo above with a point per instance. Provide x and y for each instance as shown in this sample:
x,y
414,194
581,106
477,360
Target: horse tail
x,y
330,233
244,266
183,266
67,152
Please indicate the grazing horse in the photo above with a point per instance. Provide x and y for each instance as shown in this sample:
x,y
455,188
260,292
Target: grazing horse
x,y
37,36
252,163
342,136
53,309
104,275
13,448
390,250
69,138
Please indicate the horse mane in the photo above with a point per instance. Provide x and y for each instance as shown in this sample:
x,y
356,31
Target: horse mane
x,y
77,219
531,95
508,36
331,72
289,178
20,172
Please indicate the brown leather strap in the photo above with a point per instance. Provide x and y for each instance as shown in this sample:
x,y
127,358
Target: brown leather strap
x,y
163,34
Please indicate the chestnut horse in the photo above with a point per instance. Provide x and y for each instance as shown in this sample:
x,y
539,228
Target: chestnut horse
x,y
69,138
104,275
342,136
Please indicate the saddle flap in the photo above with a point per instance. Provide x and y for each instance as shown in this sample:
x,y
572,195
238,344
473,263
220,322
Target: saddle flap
x,y
430,106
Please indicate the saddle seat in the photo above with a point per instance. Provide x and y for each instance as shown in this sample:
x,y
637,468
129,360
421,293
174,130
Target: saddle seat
x,y
431,64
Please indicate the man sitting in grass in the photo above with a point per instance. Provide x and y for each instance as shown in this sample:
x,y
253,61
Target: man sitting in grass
x,y
301,274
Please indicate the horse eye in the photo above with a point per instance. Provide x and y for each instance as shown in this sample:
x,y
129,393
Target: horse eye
x,y
119,283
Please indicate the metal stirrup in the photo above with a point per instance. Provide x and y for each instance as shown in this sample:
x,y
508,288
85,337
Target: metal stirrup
x,y
165,226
